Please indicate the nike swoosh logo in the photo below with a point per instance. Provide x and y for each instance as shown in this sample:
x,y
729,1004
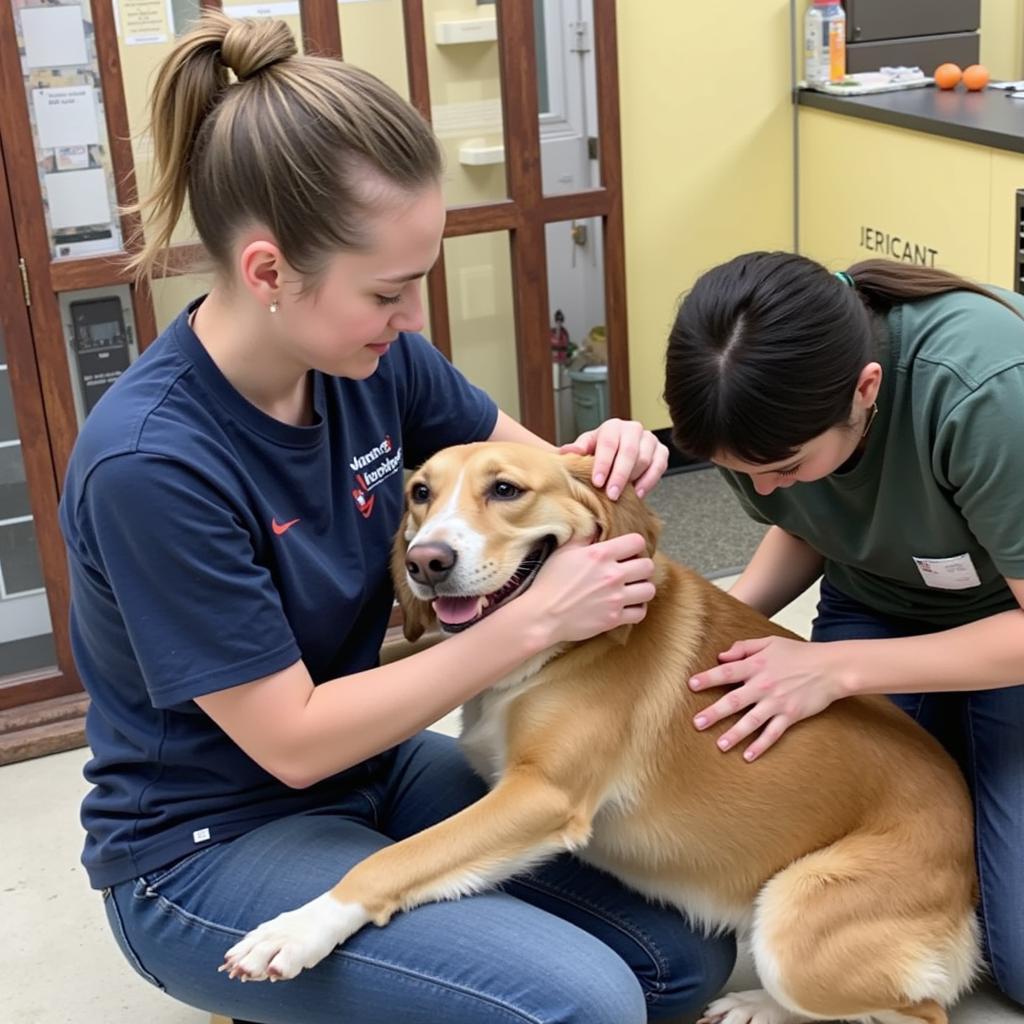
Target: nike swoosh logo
x,y
280,528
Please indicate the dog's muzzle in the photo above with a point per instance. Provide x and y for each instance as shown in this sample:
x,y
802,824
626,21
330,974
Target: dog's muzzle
x,y
456,612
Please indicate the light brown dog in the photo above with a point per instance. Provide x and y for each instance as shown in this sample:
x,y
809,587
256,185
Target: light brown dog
x,y
845,854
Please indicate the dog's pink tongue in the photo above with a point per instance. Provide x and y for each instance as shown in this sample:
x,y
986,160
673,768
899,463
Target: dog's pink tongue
x,y
456,610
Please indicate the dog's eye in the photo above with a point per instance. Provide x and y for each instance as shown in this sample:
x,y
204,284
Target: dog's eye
x,y
504,490
420,493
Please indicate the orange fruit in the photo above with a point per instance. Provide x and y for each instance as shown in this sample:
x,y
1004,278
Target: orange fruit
x,y
976,77
947,76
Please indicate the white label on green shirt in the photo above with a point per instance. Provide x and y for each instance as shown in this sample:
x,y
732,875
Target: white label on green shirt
x,y
956,573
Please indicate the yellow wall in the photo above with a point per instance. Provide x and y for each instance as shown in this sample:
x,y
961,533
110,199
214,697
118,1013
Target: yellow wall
x,y
373,36
1002,37
707,158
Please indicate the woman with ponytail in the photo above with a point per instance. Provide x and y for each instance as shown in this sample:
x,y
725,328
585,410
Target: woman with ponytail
x,y
873,419
228,512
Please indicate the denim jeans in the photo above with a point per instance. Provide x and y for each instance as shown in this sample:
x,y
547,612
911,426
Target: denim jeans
x,y
566,943
984,731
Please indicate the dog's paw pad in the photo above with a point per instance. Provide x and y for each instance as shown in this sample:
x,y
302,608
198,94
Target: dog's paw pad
x,y
752,1007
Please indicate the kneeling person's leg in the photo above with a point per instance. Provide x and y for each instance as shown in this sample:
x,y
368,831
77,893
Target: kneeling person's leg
x,y
486,958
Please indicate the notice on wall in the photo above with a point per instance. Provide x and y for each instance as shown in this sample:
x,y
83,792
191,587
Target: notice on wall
x,y
278,9
77,198
143,22
274,9
54,37
66,116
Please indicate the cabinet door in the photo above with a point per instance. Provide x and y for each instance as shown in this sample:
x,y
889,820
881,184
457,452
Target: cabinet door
x,y
893,19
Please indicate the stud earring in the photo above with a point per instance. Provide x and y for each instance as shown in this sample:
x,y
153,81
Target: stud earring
x,y
273,306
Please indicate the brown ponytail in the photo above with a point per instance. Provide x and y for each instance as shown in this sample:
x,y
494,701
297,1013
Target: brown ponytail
x,y
286,141
886,283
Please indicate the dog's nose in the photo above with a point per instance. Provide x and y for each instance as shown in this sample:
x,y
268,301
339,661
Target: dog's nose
x,y
430,563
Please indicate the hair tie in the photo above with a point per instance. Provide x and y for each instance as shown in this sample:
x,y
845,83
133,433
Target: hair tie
x,y
845,278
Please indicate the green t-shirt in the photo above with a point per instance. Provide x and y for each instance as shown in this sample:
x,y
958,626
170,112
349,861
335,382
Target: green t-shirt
x,y
941,475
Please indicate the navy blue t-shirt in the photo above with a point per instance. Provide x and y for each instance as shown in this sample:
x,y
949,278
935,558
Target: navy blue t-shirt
x,y
210,545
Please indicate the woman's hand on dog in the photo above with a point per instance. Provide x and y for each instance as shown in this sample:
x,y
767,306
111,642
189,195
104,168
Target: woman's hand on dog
x,y
586,589
623,451
780,681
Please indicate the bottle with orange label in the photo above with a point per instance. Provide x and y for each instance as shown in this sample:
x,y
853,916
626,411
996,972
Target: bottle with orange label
x,y
824,42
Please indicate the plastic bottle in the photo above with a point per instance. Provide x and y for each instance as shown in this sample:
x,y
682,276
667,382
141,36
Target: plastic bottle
x,y
824,42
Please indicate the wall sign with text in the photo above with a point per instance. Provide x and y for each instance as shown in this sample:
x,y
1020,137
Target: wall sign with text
x,y
895,247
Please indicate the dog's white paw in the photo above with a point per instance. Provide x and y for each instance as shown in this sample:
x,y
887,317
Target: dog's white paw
x,y
753,1007
279,949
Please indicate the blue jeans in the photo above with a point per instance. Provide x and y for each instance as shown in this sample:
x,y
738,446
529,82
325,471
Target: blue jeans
x,y
984,731
566,943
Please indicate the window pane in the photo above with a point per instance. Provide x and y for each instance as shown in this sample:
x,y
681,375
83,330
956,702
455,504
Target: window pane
x,y
373,37
577,316
8,427
14,503
142,45
19,558
567,93
478,270
465,98
26,641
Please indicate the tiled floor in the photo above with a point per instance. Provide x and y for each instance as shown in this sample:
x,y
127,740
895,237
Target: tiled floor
x,y
59,963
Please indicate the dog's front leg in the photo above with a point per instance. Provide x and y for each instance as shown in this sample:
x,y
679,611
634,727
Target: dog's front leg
x,y
523,820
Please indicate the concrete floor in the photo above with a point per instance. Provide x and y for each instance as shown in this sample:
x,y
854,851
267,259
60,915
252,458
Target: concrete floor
x,y
60,964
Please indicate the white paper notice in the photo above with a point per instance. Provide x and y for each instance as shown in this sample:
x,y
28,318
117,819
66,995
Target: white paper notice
x,y
277,9
66,116
54,37
78,198
145,21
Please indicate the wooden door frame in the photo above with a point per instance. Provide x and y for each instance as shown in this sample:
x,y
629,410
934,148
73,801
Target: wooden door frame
x,y
526,210
40,475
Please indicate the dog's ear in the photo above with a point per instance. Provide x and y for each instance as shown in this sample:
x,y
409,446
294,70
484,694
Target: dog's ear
x,y
614,518
417,615
627,515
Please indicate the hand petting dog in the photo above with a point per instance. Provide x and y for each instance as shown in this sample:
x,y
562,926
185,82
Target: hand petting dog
x,y
623,452
781,681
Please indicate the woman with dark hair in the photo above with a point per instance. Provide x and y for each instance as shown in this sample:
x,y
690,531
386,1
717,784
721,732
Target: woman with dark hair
x,y
893,395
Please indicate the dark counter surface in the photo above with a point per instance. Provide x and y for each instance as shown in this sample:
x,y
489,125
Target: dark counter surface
x,y
987,118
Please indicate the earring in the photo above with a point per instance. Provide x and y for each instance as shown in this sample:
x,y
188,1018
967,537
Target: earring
x,y
273,306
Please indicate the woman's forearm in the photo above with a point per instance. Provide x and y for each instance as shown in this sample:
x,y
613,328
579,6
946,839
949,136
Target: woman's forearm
x,y
302,733
982,655
376,709
782,568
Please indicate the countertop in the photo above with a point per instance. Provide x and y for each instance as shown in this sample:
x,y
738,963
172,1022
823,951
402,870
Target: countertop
x,y
987,118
